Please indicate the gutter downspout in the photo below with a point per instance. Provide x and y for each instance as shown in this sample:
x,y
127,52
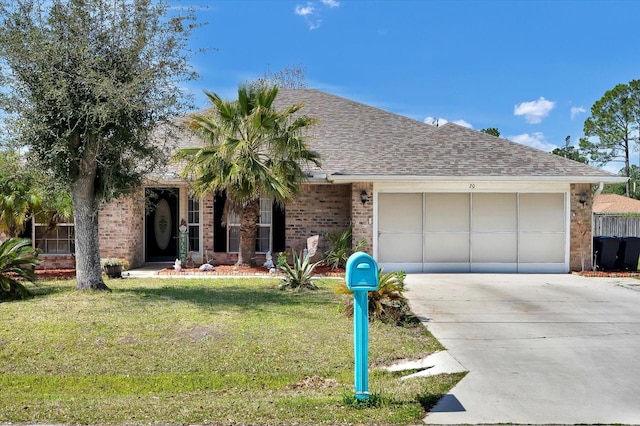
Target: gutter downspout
x,y
593,226
599,190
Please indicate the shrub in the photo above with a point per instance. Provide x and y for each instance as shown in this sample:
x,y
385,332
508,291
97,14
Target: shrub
x,y
386,304
336,257
282,259
298,276
17,261
114,261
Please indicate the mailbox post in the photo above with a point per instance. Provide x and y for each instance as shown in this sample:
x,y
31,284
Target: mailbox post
x,y
361,276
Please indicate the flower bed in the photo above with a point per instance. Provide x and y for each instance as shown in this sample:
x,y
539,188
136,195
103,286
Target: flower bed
x,y
234,270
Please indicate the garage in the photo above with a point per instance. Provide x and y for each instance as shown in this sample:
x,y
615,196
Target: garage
x,y
473,232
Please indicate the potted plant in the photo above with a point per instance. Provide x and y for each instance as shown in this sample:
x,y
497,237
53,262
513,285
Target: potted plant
x,y
113,266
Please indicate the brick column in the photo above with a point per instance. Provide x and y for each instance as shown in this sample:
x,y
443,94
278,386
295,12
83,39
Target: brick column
x,y
362,215
580,227
121,228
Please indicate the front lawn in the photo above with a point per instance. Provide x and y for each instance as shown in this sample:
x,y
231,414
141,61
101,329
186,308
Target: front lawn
x,y
200,351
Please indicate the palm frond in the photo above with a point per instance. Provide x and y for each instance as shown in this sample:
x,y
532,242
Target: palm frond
x,y
17,262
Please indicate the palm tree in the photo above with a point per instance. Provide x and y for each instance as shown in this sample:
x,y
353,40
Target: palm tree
x,y
17,262
18,197
251,150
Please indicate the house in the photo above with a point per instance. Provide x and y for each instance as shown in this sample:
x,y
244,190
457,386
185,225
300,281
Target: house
x,y
616,216
614,204
426,199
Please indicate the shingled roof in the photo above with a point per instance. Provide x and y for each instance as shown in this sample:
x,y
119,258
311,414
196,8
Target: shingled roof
x,y
615,204
358,142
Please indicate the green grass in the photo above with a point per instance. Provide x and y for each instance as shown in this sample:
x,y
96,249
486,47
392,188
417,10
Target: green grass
x,y
200,351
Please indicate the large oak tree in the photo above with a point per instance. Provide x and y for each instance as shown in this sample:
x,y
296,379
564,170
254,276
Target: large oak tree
x,y
85,84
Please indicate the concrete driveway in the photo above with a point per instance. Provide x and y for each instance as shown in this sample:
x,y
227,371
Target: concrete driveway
x,y
539,349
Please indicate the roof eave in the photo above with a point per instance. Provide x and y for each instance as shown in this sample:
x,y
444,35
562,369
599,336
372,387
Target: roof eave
x,y
340,178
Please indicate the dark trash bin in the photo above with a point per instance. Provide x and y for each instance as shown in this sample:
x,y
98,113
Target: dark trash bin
x,y
629,252
606,252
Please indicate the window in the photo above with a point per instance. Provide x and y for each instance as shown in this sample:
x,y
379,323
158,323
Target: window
x,y
193,215
59,240
263,240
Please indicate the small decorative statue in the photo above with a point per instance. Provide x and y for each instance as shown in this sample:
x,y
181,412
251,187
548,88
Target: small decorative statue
x,y
269,260
177,265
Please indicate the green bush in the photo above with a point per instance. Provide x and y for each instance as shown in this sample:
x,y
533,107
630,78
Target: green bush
x,y
298,276
337,255
386,304
17,262
282,259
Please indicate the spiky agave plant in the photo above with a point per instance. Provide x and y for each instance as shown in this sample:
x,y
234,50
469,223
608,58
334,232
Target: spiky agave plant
x,y
17,261
298,276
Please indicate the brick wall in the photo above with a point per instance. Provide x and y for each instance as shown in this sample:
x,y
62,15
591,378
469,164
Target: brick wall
x,y
56,261
580,228
121,229
318,210
206,206
362,215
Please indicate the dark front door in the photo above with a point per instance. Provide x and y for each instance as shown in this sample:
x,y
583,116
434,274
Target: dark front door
x,y
161,229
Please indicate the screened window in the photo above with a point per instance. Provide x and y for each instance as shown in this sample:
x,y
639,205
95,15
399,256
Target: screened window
x,y
263,240
59,240
194,224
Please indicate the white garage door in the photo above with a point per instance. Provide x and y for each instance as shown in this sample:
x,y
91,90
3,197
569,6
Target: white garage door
x,y
479,232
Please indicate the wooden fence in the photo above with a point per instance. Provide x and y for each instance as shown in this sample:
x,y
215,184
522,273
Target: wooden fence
x,y
616,226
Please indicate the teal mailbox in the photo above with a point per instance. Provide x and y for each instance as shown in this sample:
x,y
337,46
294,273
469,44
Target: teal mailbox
x,y
361,272
361,276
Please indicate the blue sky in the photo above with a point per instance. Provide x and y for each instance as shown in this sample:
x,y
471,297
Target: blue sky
x,y
533,69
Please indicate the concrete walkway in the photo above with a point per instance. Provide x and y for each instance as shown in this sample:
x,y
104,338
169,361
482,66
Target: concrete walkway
x,y
540,349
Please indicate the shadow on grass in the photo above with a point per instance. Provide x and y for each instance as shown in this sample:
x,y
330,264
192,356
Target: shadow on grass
x,y
236,296
47,288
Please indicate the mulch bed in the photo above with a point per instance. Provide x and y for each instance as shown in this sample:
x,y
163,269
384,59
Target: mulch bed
x,y
55,274
321,270
233,270
609,274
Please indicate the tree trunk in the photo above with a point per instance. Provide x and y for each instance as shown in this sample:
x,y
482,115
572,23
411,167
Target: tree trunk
x,y
627,169
85,212
248,232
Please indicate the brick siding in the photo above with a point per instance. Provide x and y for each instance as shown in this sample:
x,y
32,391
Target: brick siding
x,y
318,210
122,229
580,227
362,216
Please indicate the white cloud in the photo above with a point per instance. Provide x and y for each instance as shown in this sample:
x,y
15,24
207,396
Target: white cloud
x,y
534,140
534,111
305,10
463,123
312,14
442,121
331,3
575,111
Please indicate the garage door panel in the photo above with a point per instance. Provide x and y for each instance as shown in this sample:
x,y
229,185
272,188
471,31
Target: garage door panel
x,y
394,248
446,212
542,248
494,213
541,213
446,247
399,213
494,248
